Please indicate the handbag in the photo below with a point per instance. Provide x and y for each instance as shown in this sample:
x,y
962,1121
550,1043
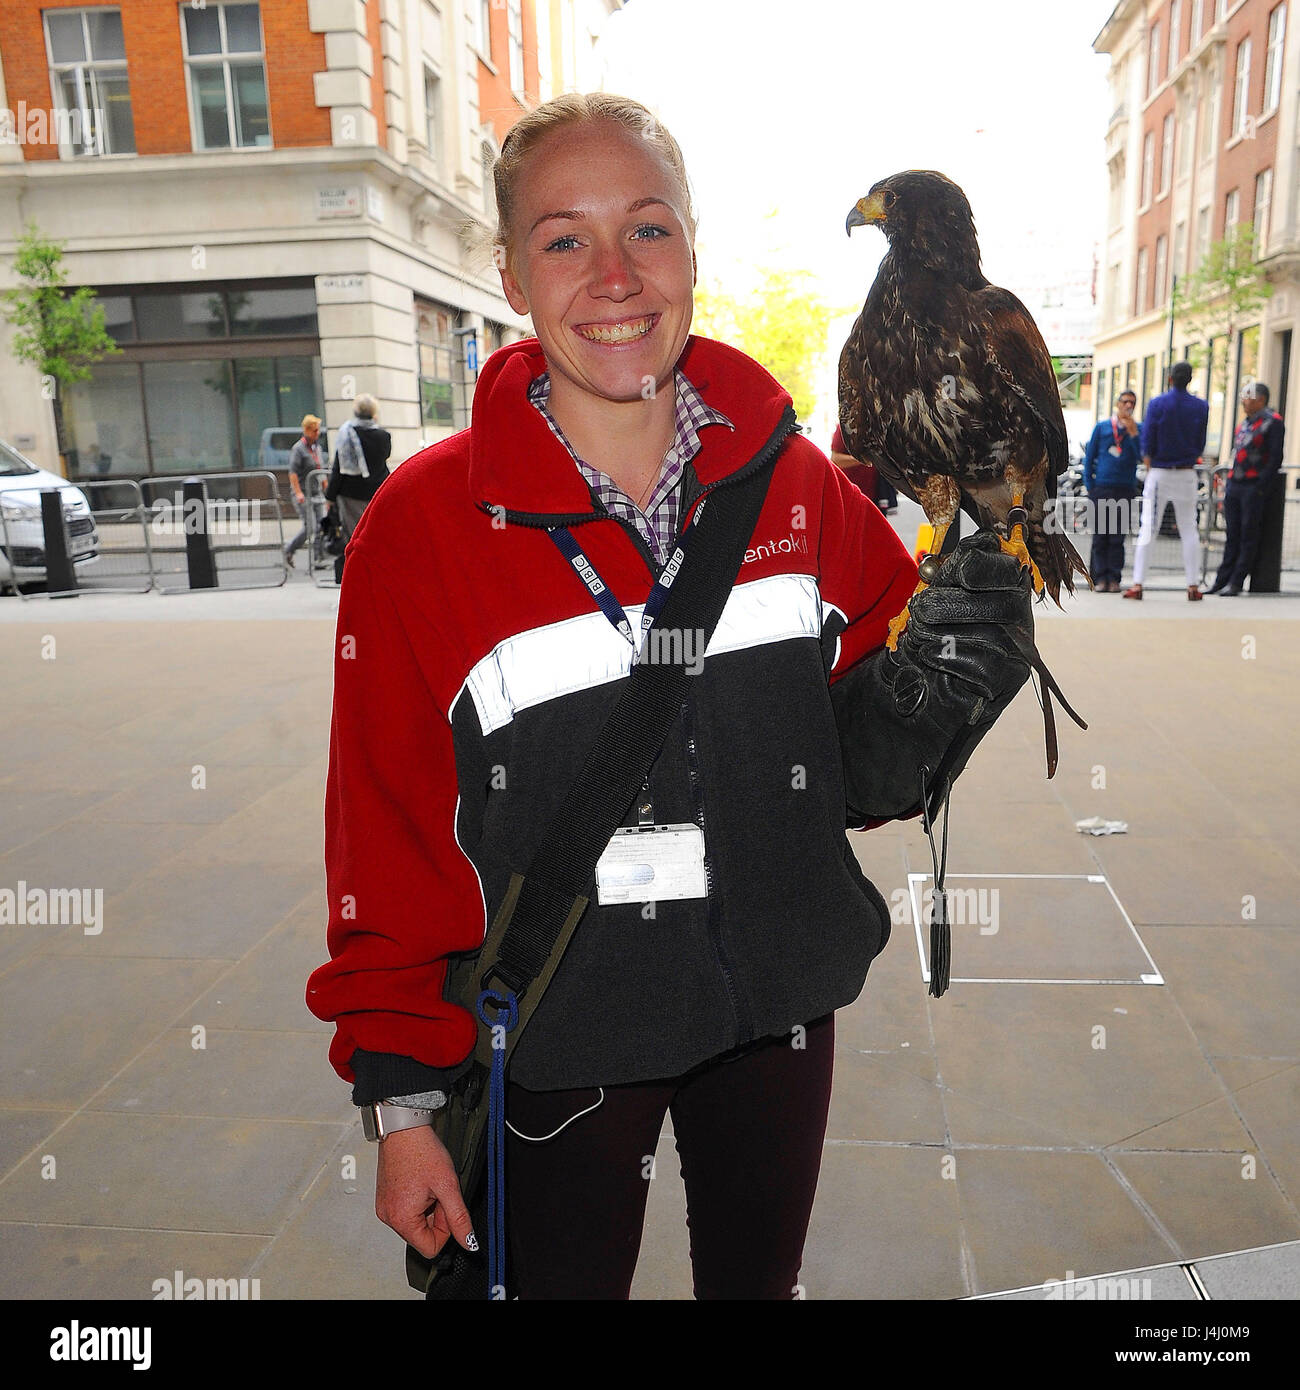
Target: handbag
x,y
502,983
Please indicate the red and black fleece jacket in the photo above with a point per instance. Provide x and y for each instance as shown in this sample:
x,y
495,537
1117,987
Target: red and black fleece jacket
x,y
473,669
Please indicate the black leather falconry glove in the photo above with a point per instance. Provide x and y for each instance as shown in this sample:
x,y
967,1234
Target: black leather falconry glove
x,y
962,657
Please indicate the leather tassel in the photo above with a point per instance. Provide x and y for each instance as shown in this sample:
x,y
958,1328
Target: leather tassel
x,y
940,943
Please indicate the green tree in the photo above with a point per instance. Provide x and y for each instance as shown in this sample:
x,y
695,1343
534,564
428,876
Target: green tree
x,y
782,323
1225,290
60,332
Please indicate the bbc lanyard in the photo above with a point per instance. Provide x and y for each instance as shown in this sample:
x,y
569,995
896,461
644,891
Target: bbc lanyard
x,y
603,595
614,611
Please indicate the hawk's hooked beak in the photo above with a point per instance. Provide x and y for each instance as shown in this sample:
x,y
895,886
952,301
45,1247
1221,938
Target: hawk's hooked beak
x,y
865,212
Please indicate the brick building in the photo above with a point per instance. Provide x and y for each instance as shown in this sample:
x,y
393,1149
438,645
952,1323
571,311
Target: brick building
x,y
1202,139
272,201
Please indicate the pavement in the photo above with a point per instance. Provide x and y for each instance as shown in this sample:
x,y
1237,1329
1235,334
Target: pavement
x,y
1111,1086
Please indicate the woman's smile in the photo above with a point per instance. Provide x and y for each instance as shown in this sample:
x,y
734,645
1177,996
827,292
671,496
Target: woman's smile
x,y
618,333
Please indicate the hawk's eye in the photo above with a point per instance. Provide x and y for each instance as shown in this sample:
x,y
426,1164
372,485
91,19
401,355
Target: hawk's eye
x,y
889,199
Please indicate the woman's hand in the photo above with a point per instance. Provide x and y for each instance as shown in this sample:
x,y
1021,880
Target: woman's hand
x,y
418,1194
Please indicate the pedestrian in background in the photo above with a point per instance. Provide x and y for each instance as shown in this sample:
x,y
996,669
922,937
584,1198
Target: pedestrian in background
x,y
361,453
1109,477
1173,440
1256,458
304,459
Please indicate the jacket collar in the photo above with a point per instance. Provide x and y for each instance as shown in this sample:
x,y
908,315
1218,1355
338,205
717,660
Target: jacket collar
x,y
517,463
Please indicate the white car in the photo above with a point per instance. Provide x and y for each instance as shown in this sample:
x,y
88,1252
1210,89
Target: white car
x,y
22,536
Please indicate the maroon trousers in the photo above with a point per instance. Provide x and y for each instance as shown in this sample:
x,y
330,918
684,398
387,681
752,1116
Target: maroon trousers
x,y
749,1129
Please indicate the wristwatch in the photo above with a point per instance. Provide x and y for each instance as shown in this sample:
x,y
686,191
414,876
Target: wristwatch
x,y
384,1117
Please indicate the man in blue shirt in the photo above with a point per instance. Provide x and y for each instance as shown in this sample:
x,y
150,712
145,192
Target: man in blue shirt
x,y
1173,440
1110,478
1256,458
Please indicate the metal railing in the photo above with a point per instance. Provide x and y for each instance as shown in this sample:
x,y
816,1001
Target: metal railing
x,y
216,531
321,566
105,539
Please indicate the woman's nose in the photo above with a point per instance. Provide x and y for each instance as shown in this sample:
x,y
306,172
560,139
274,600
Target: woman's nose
x,y
613,272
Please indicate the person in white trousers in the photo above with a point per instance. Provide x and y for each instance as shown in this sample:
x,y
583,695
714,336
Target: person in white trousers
x,y
1173,439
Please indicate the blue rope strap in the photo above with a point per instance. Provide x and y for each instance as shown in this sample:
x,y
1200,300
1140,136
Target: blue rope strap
x,y
507,1015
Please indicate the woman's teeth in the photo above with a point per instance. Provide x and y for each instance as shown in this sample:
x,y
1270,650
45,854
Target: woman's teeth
x,y
617,332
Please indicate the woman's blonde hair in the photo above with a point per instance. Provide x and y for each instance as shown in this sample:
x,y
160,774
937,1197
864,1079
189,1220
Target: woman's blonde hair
x,y
572,108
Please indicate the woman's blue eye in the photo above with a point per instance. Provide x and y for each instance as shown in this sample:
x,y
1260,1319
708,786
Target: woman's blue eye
x,y
559,243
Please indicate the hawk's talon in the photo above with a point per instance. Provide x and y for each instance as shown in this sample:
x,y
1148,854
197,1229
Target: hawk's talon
x,y
1016,546
899,622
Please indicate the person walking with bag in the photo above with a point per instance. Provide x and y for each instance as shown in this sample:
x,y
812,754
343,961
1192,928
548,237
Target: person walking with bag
x,y
304,460
617,466
361,451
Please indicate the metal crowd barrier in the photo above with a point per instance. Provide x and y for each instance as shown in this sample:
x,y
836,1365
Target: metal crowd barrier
x,y
100,547
216,530
321,566
1216,533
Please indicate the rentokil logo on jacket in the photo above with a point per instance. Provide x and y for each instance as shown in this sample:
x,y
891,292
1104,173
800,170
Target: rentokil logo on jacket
x,y
788,545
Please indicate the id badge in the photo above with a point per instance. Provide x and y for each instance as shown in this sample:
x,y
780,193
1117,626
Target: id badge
x,y
1113,451
655,863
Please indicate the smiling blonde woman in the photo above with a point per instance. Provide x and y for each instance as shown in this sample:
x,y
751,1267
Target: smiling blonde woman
x,y
473,669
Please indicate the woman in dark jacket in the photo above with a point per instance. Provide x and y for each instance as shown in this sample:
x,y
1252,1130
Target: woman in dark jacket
x,y
471,677
361,451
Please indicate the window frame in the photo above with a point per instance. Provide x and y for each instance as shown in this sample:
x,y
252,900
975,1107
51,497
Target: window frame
x,y
87,67
1241,88
515,43
1167,137
1273,58
1147,178
1154,49
224,57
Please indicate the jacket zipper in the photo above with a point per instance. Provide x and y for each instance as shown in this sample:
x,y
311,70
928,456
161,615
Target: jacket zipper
x,y
787,426
739,1009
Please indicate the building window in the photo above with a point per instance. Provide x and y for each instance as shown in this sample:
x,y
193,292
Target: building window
x,y
432,114
1112,293
1167,153
1198,15
1148,380
1175,27
483,38
1202,236
1148,166
1162,268
206,373
1263,203
1179,266
227,76
1186,138
1140,299
1153,59
435,333
515,20
1273,59
1241,88
92,96
1231,213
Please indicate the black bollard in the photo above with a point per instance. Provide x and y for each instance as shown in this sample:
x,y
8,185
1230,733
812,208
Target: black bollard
x,y
60,574
198,544
1266,572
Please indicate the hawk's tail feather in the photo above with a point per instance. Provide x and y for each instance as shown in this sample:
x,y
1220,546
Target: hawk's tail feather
x,y
1057,560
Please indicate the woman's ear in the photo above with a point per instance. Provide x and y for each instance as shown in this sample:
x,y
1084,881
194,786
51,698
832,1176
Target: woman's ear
x,y
514,293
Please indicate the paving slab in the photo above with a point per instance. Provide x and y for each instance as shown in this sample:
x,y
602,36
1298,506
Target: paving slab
x,y
1271,1273
1165,1283
90,1263
1021,1231
1209,1202
162,1172
1035,1051
108,1008
1236,986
